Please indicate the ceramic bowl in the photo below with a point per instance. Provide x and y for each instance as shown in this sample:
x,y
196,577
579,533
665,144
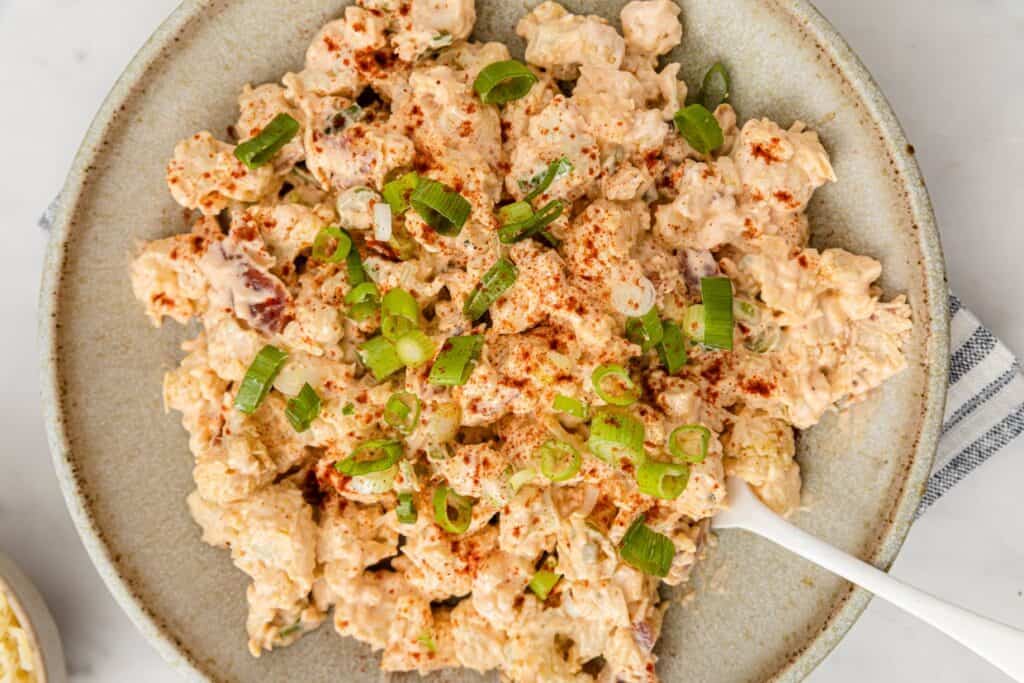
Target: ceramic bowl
x,y
35,619
757,613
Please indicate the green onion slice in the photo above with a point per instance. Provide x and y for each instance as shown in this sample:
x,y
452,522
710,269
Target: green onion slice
x,y
503,82
556,169
354,266
444,209
451,511
363,300
402,411
672,349
380,356
521,479
615,435
406,509
535,224
716,87
349,409
259,377
716,293
623,391
544,581
415,348
693,323
700,128
515,213
572,406
342,245
495,281
399,313
303,409
396,193
427,641
665,480
689,443
646,549
262,148
455,362
645,331
371,456
559,461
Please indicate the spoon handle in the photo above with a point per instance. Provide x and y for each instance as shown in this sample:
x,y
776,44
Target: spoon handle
x,y
1000,644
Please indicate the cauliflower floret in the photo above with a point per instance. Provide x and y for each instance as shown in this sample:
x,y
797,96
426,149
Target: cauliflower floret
x,y
166,277
353,537
433,24
558,131
760,450
337,51
651,26
204,174
560,42
478,645
781,167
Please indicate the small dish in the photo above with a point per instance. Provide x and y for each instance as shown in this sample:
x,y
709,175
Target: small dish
x,y
35,619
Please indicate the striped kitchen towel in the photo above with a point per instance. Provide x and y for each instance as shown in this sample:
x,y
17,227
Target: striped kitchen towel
x,y
985,406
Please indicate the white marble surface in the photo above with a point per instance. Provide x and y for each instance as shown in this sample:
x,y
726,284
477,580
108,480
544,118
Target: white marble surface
x,y
953,71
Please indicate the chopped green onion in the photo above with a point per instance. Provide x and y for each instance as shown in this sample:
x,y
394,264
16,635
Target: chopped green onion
x,y
693,323
700,128
559,461
666,480
503,82
444,209
544,580
414,348
406,509
746,312
380,356
262,148
402,411
689,443
765,341
521,479
716,87
455,363
399,313
303,409
446,502
258,378
396,193
646,549
343,245
349,409
645,331
572,406
672,349
615,436
716,293
343,119
290,630
515,213
427,641
386,454
535,224
354,266
625,393
556,169
363,300
495,281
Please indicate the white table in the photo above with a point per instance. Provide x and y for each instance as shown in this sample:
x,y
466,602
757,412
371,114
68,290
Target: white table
x,y
952,69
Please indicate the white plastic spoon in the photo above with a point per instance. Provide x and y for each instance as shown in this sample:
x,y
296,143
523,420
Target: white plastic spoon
x,y
1001,645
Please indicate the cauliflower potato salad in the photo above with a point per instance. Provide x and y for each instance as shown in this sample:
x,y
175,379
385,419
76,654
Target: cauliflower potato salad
x,y
480,339
17,655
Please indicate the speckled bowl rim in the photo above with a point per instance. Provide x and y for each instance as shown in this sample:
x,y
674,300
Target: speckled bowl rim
x,y
854,76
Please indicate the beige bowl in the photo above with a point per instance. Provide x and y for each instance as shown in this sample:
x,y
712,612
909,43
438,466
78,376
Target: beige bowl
x,y
125,467
36,621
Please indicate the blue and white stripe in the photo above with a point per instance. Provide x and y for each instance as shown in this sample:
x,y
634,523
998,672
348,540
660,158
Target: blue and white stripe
x,y
985,407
